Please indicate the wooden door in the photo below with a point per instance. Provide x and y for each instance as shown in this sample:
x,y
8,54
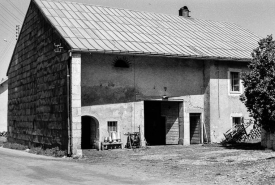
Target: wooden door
x,y
172,130
195,128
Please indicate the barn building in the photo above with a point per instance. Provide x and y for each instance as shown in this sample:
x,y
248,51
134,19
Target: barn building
x,y
79,72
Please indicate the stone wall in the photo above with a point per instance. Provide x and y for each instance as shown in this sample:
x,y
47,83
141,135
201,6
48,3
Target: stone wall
x,y
267,139
37,105
75,97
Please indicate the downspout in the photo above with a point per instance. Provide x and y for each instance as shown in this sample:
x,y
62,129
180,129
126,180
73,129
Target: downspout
x,y
69,105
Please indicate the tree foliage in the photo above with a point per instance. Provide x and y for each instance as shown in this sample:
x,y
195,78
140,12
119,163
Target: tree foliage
x,y
259,83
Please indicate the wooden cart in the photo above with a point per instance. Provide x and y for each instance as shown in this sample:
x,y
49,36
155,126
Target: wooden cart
x,y
235,133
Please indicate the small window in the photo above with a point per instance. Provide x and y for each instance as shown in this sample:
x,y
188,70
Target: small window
x,y
235,82
121,63
236,120
112,126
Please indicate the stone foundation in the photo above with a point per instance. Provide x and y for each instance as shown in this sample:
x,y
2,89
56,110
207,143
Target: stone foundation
x,y
268,139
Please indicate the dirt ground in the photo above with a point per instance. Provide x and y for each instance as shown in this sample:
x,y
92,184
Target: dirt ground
x,y
196,164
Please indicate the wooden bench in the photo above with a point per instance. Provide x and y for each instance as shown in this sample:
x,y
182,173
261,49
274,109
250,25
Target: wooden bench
x,y
107,145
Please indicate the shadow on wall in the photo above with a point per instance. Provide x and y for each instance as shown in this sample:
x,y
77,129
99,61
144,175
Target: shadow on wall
x,y
220,68
146,78
98,95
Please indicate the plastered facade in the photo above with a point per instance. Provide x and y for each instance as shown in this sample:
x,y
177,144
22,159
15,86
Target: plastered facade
x,y
223,105
130,116
146,78
105,89
4,105
203,86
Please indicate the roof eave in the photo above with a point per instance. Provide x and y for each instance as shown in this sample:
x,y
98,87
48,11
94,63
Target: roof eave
x,y
170,55
4,80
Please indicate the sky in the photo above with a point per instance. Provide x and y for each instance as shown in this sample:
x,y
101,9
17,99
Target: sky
x,y
258,16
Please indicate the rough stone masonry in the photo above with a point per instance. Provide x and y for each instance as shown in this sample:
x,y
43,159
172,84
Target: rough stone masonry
x,y
37,106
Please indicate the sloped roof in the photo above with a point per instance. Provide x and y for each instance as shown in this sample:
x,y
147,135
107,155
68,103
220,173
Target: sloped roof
x,y
97,28
3,80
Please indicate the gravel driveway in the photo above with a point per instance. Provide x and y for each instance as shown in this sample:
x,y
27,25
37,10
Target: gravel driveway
x,y
196,164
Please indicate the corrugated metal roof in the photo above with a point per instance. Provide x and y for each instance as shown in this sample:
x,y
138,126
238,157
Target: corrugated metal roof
x,y
97,28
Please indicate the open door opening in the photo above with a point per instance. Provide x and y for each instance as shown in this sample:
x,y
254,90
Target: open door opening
x,y
195,128
154,123
161,122
90,132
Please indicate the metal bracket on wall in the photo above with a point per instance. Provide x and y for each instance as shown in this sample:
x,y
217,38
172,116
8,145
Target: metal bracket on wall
x,y
58,48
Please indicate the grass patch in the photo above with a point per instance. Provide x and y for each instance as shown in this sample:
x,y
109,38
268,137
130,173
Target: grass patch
x,y
55,152
15,146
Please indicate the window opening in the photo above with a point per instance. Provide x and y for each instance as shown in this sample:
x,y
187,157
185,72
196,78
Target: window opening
x,y
121,64
235,81
112,126
236,121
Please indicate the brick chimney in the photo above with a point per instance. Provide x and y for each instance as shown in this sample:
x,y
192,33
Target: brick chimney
x,y
184,12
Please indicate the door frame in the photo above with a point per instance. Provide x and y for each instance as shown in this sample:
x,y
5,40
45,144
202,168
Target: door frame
x,y
181,115
97,130
201,123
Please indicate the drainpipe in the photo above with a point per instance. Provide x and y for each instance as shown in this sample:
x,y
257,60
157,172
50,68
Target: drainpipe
x,y
68,107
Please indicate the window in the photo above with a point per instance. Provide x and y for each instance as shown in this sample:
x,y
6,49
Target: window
x,y
112,126
236,120
234,81
121,64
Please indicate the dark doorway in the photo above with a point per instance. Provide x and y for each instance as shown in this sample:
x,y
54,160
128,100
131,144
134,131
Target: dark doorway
x,y
90,132
154,123
195,128
161,122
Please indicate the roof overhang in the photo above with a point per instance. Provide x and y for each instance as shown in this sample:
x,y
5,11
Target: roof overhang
x,y
4,80
198,57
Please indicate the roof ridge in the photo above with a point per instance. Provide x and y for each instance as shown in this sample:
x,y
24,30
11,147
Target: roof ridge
x,y
190,18
105,6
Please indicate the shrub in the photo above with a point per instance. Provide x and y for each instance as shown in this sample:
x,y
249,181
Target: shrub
x,y
55,152
15,146
259,83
